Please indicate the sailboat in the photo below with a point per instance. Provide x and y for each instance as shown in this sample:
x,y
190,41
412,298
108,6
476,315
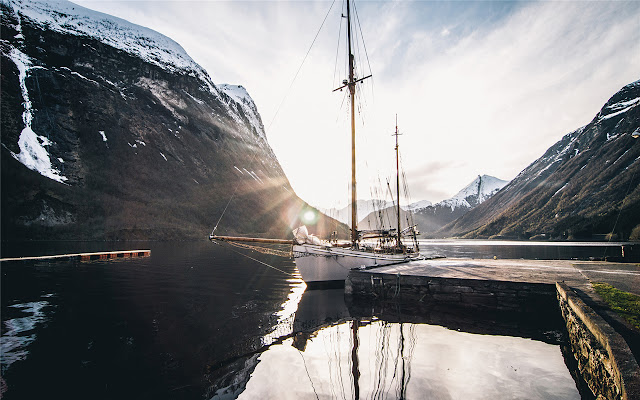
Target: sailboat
x,y
322,261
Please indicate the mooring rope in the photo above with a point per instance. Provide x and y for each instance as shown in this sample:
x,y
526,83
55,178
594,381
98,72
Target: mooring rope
x,y
255,259
263,250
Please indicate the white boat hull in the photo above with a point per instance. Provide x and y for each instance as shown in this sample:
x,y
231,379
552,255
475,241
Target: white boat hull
x,y
323,264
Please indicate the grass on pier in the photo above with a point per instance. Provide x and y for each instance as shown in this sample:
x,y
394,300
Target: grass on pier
x,y
624,303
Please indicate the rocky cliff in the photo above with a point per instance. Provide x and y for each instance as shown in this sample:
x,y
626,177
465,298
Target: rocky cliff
x,y
111,131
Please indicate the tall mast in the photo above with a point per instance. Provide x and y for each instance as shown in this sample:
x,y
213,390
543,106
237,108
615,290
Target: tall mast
x,y
351,84
352,94
397,181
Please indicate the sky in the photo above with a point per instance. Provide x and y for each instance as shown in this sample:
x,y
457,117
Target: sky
x,y
478,87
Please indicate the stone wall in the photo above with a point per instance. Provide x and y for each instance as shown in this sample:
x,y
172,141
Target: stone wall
x,y
604,359
468,293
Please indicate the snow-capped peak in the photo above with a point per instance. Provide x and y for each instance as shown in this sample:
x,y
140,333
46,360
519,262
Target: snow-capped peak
x,y
417,205
151,46
475,192
620,103
240,95
236,92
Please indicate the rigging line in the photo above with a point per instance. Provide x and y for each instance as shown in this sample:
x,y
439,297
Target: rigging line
x,y
620,212
235,191
225,208
362,38
335,65
406,189
341,105
301,64
385,212
308,375
391,193
261,262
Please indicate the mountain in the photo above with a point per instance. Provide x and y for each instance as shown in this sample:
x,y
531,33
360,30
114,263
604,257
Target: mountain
x,y
417,205
585,186
366,207
476,192
432,217
111,131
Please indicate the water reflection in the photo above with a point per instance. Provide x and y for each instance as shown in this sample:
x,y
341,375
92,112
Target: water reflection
x,y
337,355
18,330
193,321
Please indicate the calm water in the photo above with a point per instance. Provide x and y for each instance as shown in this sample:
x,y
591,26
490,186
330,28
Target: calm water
x,y
196,321
522,249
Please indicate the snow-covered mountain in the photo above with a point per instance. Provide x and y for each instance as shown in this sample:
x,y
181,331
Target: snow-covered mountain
x,y
417,205
479,190
431,217
584,186
366,207
110,130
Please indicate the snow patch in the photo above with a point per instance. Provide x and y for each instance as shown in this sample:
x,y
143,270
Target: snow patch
x,y
417,205
623,154
80,76
557,191
619,108
33,154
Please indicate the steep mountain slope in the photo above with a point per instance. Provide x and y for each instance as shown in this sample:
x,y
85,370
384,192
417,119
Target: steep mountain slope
x,y
111,131
584,186
431,218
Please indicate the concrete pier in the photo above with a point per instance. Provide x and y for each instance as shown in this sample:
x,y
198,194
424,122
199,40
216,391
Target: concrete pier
x,y
527,287
105,255
577,274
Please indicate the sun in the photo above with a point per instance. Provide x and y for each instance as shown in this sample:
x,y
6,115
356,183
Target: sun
x,y
309,216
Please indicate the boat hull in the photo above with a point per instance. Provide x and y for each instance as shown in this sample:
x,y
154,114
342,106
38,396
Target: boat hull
x,y
327,264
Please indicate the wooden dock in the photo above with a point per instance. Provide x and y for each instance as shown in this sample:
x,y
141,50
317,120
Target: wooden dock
x,y
103,255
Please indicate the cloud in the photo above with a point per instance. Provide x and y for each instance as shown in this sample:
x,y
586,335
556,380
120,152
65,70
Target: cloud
x,y
479,87
496,99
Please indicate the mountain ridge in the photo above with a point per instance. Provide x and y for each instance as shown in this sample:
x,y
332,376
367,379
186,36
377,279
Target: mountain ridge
x,y
583,187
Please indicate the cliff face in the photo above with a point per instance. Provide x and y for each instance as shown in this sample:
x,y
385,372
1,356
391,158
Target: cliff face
x,y
584,186
111,131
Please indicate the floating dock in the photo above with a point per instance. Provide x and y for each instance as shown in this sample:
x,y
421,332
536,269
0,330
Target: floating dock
x,y
103,255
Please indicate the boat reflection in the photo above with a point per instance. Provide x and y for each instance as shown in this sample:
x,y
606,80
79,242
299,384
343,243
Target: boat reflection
x,y
335,350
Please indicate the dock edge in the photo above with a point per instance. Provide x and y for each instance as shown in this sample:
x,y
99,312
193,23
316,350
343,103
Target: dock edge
x,y
605,361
